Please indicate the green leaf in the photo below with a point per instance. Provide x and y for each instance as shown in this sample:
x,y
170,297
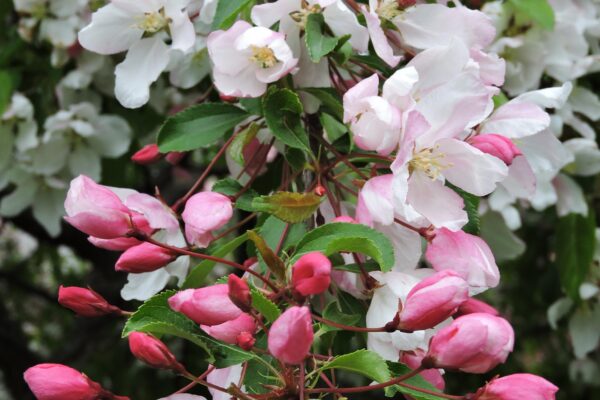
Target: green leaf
x,y
282,109
575,246
338,237
6,88
364,362
334,313
264,306
398,369
227,12
241,140
227,355
288,206
334,129
499,99
230,187
330,100
355,268
272,229
273,262
318,43
156,317
252,104
539,11
472,208
198,126
197,275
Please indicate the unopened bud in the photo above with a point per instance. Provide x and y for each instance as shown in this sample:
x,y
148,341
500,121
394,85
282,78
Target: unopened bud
x,y
320,190
239,292
146,155
246,341
311,274
153,352
85,302
145,257
227,99
406,3
174,157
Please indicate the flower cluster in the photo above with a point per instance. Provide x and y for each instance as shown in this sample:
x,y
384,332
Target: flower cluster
x,y
362,143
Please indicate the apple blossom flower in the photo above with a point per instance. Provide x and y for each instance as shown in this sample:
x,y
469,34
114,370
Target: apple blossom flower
x,y
239,292
496,145
144,257
59,382
433,300
85,302
224,377
153,352
473,343
203,213
230,331
206,306
139,28
375,122
97,211
291,335
517,386
247,58
311,274
466,254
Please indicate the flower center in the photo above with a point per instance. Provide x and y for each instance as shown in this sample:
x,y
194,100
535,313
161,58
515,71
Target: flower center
x,y
389,9
429,163
153,22
301,16
263,56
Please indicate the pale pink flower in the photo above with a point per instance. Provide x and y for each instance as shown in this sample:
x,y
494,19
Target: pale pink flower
x,y
517,387
206,306
291,335
205,212
229,331
247,58
311,274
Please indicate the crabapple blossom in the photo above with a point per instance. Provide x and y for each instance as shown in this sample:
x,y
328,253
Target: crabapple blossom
x,y
59,382
433,300
206,306
233,330
517,386
239,292
246,59
473,343
153,352
145,257
465,254
311,274
496,145
203,213
140,28
291,335
85,302
146,155
224,377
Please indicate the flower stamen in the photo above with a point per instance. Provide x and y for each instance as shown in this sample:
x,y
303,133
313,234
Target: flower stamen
x,y
263,56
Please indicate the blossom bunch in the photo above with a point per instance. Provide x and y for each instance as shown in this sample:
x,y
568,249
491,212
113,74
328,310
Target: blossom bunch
x,y
361,144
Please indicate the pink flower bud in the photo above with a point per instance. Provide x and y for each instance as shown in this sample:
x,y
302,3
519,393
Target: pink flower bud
x,y
85,302
311,274
174,157
497,146
345,218
475,306
466,254
204,212
96,210
246,340
406,3
144,257
433,300
291,335
118,244
206,306
239,292
413,360
146,155
517,387
473,343
59,382
153,352
229,331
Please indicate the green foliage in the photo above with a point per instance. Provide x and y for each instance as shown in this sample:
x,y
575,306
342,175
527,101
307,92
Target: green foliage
x,y
282,109
333,128
264,306
6,88
197,274
339,237
231,187
318,42
575,246
330,100
198,126
538,11
227,11
156,317
241,140
472,208
334,313
364,362
267,254
288,206
398,369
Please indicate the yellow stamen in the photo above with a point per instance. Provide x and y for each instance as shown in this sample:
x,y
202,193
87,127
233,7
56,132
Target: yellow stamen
x,y
389,9
429,163
263,56
153,22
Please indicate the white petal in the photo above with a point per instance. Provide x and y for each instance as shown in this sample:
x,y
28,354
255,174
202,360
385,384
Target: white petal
x,y
584,328
84,160
587,156
181,28
570,198
380,42
342,21
49,209
516,120
113,136
558,310
111,31
585,102
553,97
145,285
144,63
268,14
